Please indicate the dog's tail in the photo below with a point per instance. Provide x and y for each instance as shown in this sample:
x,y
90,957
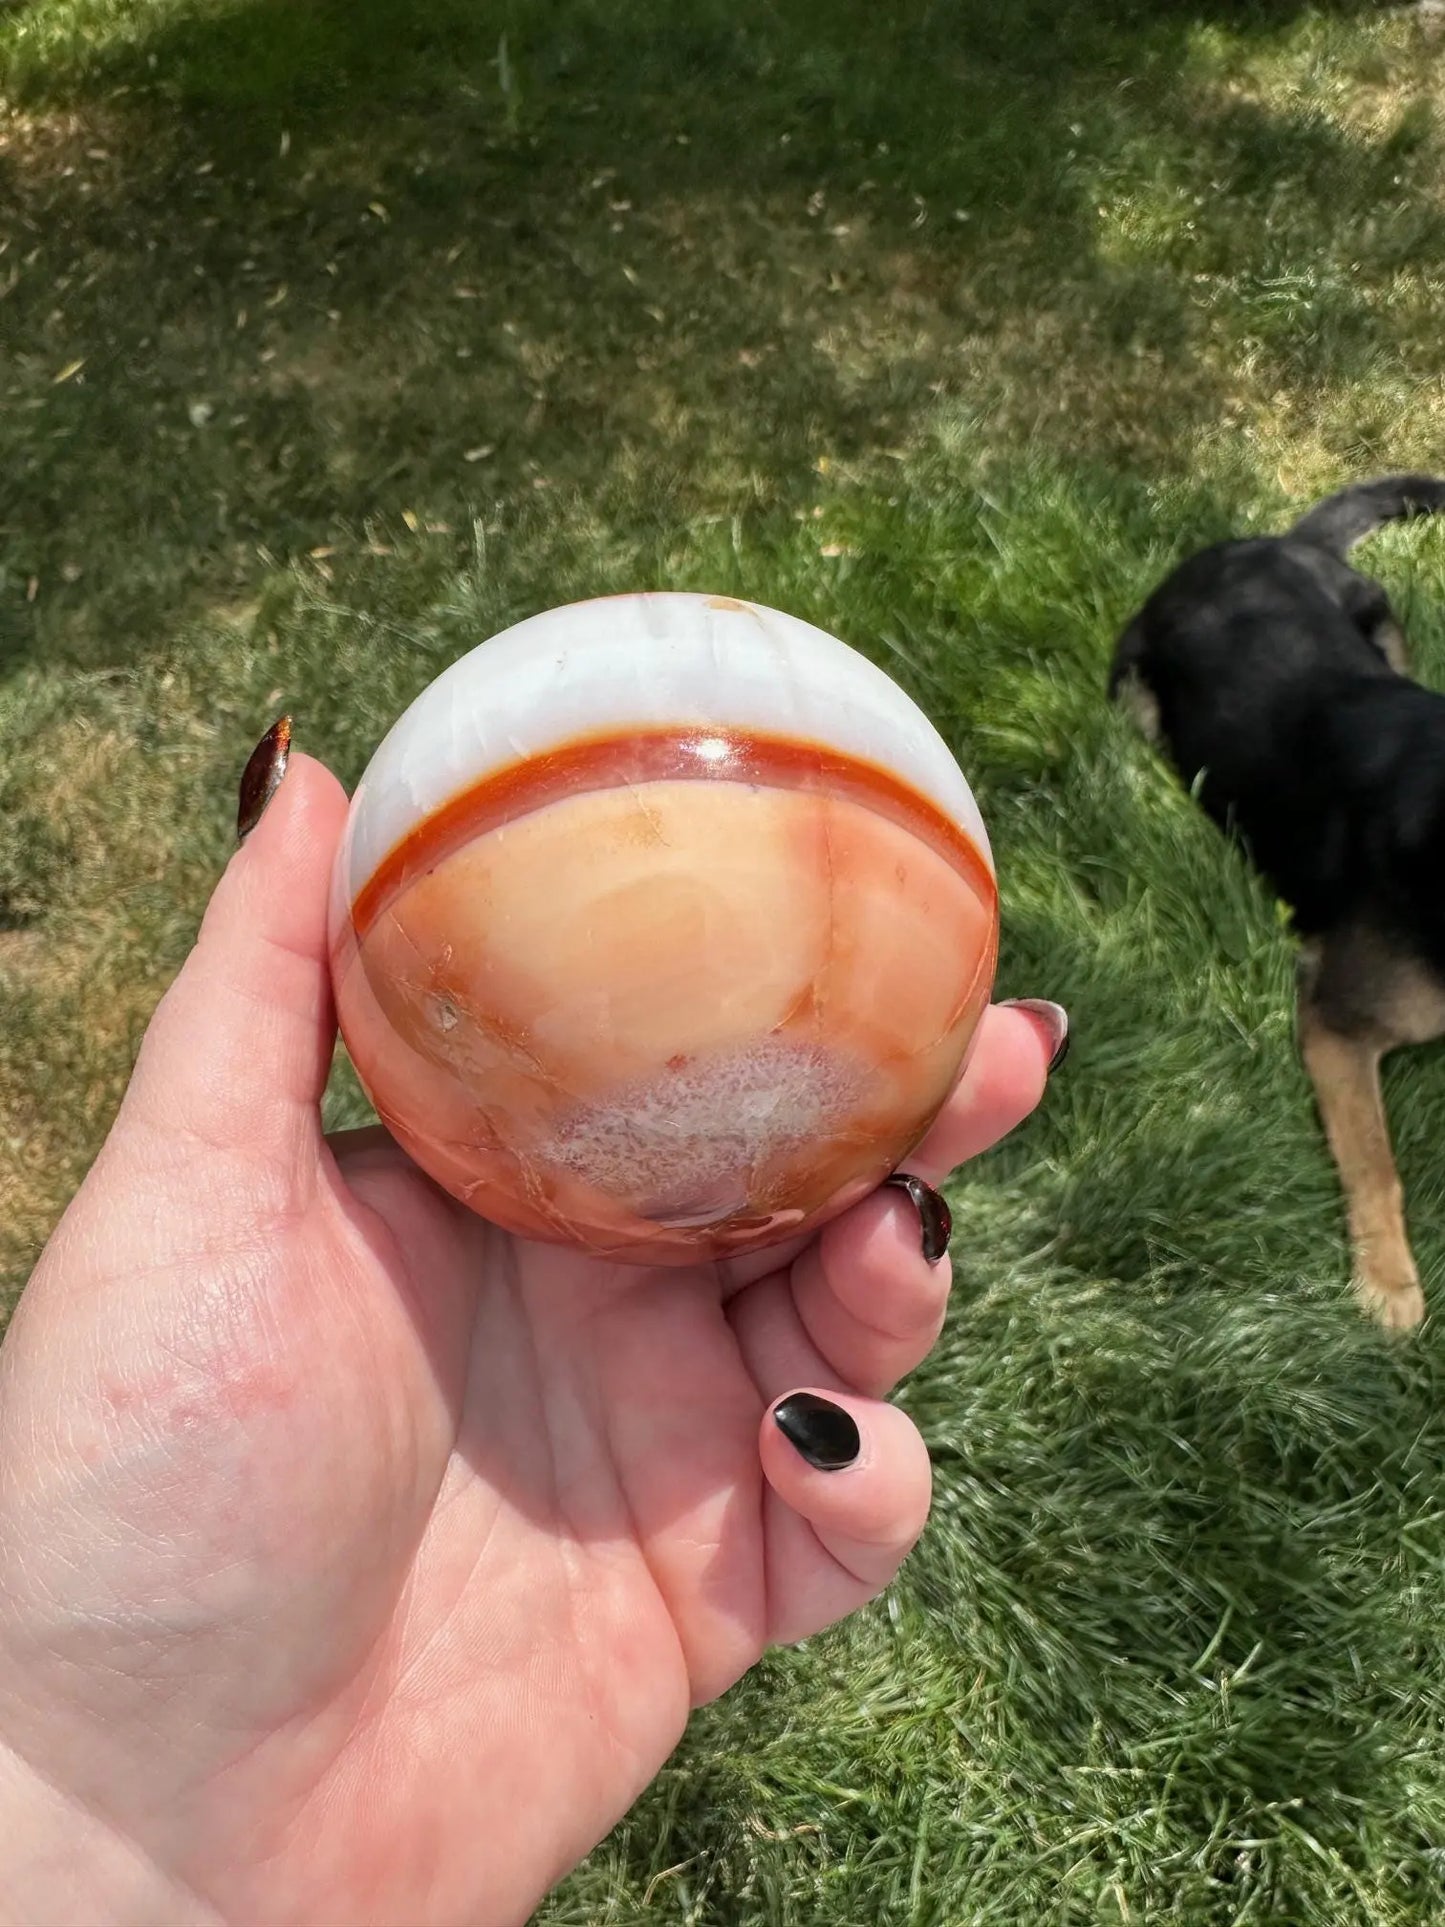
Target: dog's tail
x,y
1342,520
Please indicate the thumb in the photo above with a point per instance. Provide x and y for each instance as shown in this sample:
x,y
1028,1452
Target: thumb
x,y
238,1052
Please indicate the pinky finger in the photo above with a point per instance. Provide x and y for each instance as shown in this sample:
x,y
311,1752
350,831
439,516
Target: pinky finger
x,y
849,1489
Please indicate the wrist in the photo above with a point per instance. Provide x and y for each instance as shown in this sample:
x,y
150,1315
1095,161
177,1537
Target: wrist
x,y
60,1862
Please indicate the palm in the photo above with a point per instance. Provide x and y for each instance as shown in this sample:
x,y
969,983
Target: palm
x,y
488,1486
575,1530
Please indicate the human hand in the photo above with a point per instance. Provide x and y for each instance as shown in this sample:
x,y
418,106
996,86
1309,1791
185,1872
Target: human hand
x,y
360,1563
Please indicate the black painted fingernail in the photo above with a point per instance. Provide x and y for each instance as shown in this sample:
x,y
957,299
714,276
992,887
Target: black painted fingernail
x,y
823,1432
261,778
1055,1021
933,1213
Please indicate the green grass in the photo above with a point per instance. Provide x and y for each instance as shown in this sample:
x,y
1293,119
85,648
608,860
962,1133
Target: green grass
x,y
339,335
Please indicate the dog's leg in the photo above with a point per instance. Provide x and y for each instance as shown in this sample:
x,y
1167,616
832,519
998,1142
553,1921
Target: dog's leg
x,y
1369,606
1389,638
1345,1071
1128,688
1140,705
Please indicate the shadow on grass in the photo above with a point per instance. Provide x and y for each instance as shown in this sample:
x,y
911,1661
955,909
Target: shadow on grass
x,y
289,271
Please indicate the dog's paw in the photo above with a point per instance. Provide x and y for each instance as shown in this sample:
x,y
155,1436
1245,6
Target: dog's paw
x,y
1399,1307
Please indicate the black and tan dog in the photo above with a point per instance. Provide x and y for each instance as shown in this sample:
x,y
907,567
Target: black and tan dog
x,y
1274,676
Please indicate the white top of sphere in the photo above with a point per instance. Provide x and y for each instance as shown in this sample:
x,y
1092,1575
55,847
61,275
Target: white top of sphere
x,y
641,662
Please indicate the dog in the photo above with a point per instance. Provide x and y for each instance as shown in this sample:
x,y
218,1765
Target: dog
x,y
1274,677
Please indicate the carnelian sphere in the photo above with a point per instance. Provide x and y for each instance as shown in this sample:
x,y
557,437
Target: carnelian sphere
x,y
661,926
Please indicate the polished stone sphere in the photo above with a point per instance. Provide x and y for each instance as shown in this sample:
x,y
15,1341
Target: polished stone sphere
x,y
661,927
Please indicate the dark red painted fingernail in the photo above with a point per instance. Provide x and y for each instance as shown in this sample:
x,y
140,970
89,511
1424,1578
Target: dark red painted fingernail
x,y
825,1435
262,775
1054,1020
933,1213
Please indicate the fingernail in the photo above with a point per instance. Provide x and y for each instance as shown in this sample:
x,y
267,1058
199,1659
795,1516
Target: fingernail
x,y
821,1431
261,778
1054,1019
933,1213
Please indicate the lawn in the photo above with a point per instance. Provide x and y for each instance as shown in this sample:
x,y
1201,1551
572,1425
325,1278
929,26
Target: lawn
x,y
336,334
